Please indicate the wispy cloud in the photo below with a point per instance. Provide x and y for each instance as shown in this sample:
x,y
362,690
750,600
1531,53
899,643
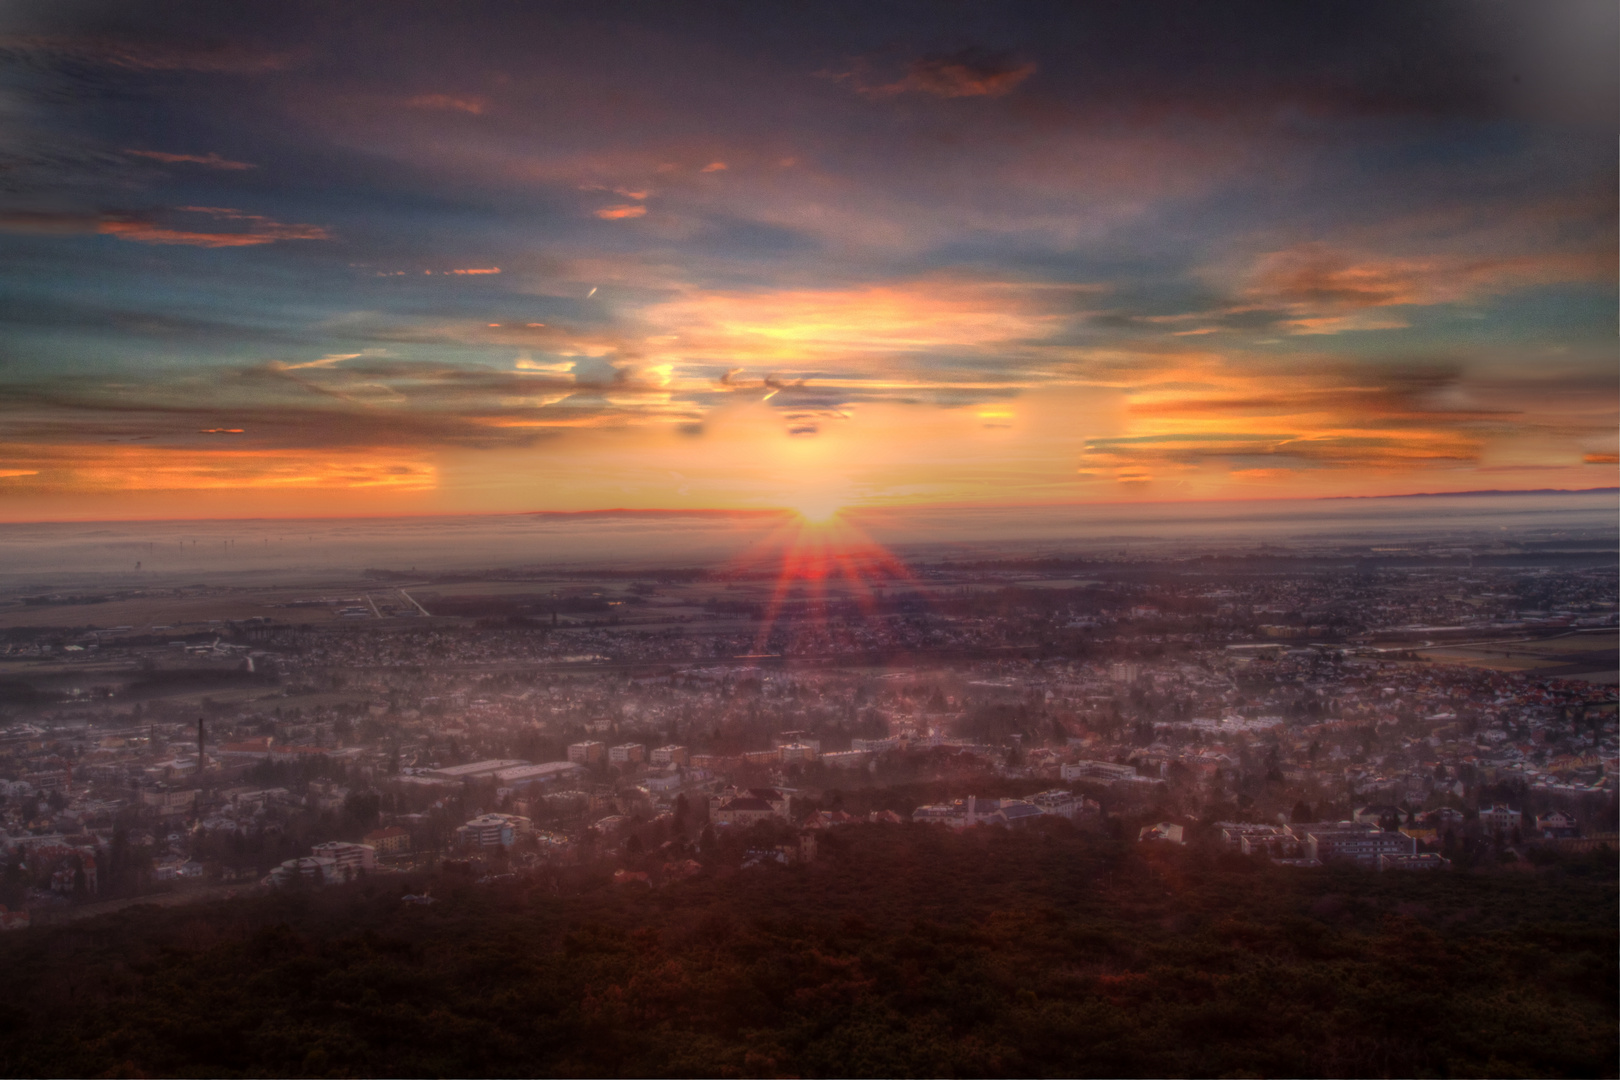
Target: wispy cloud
x,y
251,230
210,160
968,73
225,58
455,103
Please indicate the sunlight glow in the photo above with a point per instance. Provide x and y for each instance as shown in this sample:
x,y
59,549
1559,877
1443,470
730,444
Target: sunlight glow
x,y
816,508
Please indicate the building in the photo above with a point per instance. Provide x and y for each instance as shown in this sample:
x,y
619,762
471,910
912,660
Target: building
x,y
1125,673
1427,861
1347,840
1233,832
798,752
740,810
1097,770
846,759
671,755
474,770
1167,831
800,738
1376,814
734,807
627,754
311,870
51,779
874,746
390,841
971,811
1016,812
827,819
546,774
1272,841
1064,804
587,753
492,831
1556,826
348,859
167,799
247,750
1500,817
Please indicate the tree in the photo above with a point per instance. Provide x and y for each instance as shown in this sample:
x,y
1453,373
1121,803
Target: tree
x,y
362,807
1301,813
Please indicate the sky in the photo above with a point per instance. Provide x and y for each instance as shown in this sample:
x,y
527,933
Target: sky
x,y
405,258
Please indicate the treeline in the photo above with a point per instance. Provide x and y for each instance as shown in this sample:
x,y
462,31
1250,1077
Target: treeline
x,y
899,951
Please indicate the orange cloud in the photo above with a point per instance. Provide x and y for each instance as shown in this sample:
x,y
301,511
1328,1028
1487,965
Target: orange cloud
x,y
618,213
255,228
812,327
211,160
714,166
1326,290
91,469
484,270
1601,459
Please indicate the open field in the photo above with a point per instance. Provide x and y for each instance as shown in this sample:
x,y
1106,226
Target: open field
x,y
1594,657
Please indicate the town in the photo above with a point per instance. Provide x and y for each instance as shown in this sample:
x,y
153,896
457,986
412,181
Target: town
x,y
1429,711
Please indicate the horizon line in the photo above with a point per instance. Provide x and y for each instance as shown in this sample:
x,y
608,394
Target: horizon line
x,y
761,512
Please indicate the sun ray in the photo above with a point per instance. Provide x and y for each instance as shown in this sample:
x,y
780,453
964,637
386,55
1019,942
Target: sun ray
x,y
814,568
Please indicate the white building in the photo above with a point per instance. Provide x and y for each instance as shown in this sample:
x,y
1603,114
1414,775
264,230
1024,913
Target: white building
x,y
627,754
1347,840
349,859
545,774
312,869
492,830
475,769
671,755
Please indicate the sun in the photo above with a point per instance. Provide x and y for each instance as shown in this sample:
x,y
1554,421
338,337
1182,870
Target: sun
x,y
816,508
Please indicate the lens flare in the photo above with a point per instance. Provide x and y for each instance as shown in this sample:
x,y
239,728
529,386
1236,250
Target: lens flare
x,y
817,571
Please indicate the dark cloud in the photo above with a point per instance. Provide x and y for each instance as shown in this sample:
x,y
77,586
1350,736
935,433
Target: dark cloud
x,y
972,72
148,55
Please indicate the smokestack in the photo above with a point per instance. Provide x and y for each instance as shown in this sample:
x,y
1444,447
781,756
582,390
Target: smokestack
x,y
201,761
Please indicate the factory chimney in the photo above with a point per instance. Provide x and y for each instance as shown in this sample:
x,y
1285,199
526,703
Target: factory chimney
x,y
202,762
